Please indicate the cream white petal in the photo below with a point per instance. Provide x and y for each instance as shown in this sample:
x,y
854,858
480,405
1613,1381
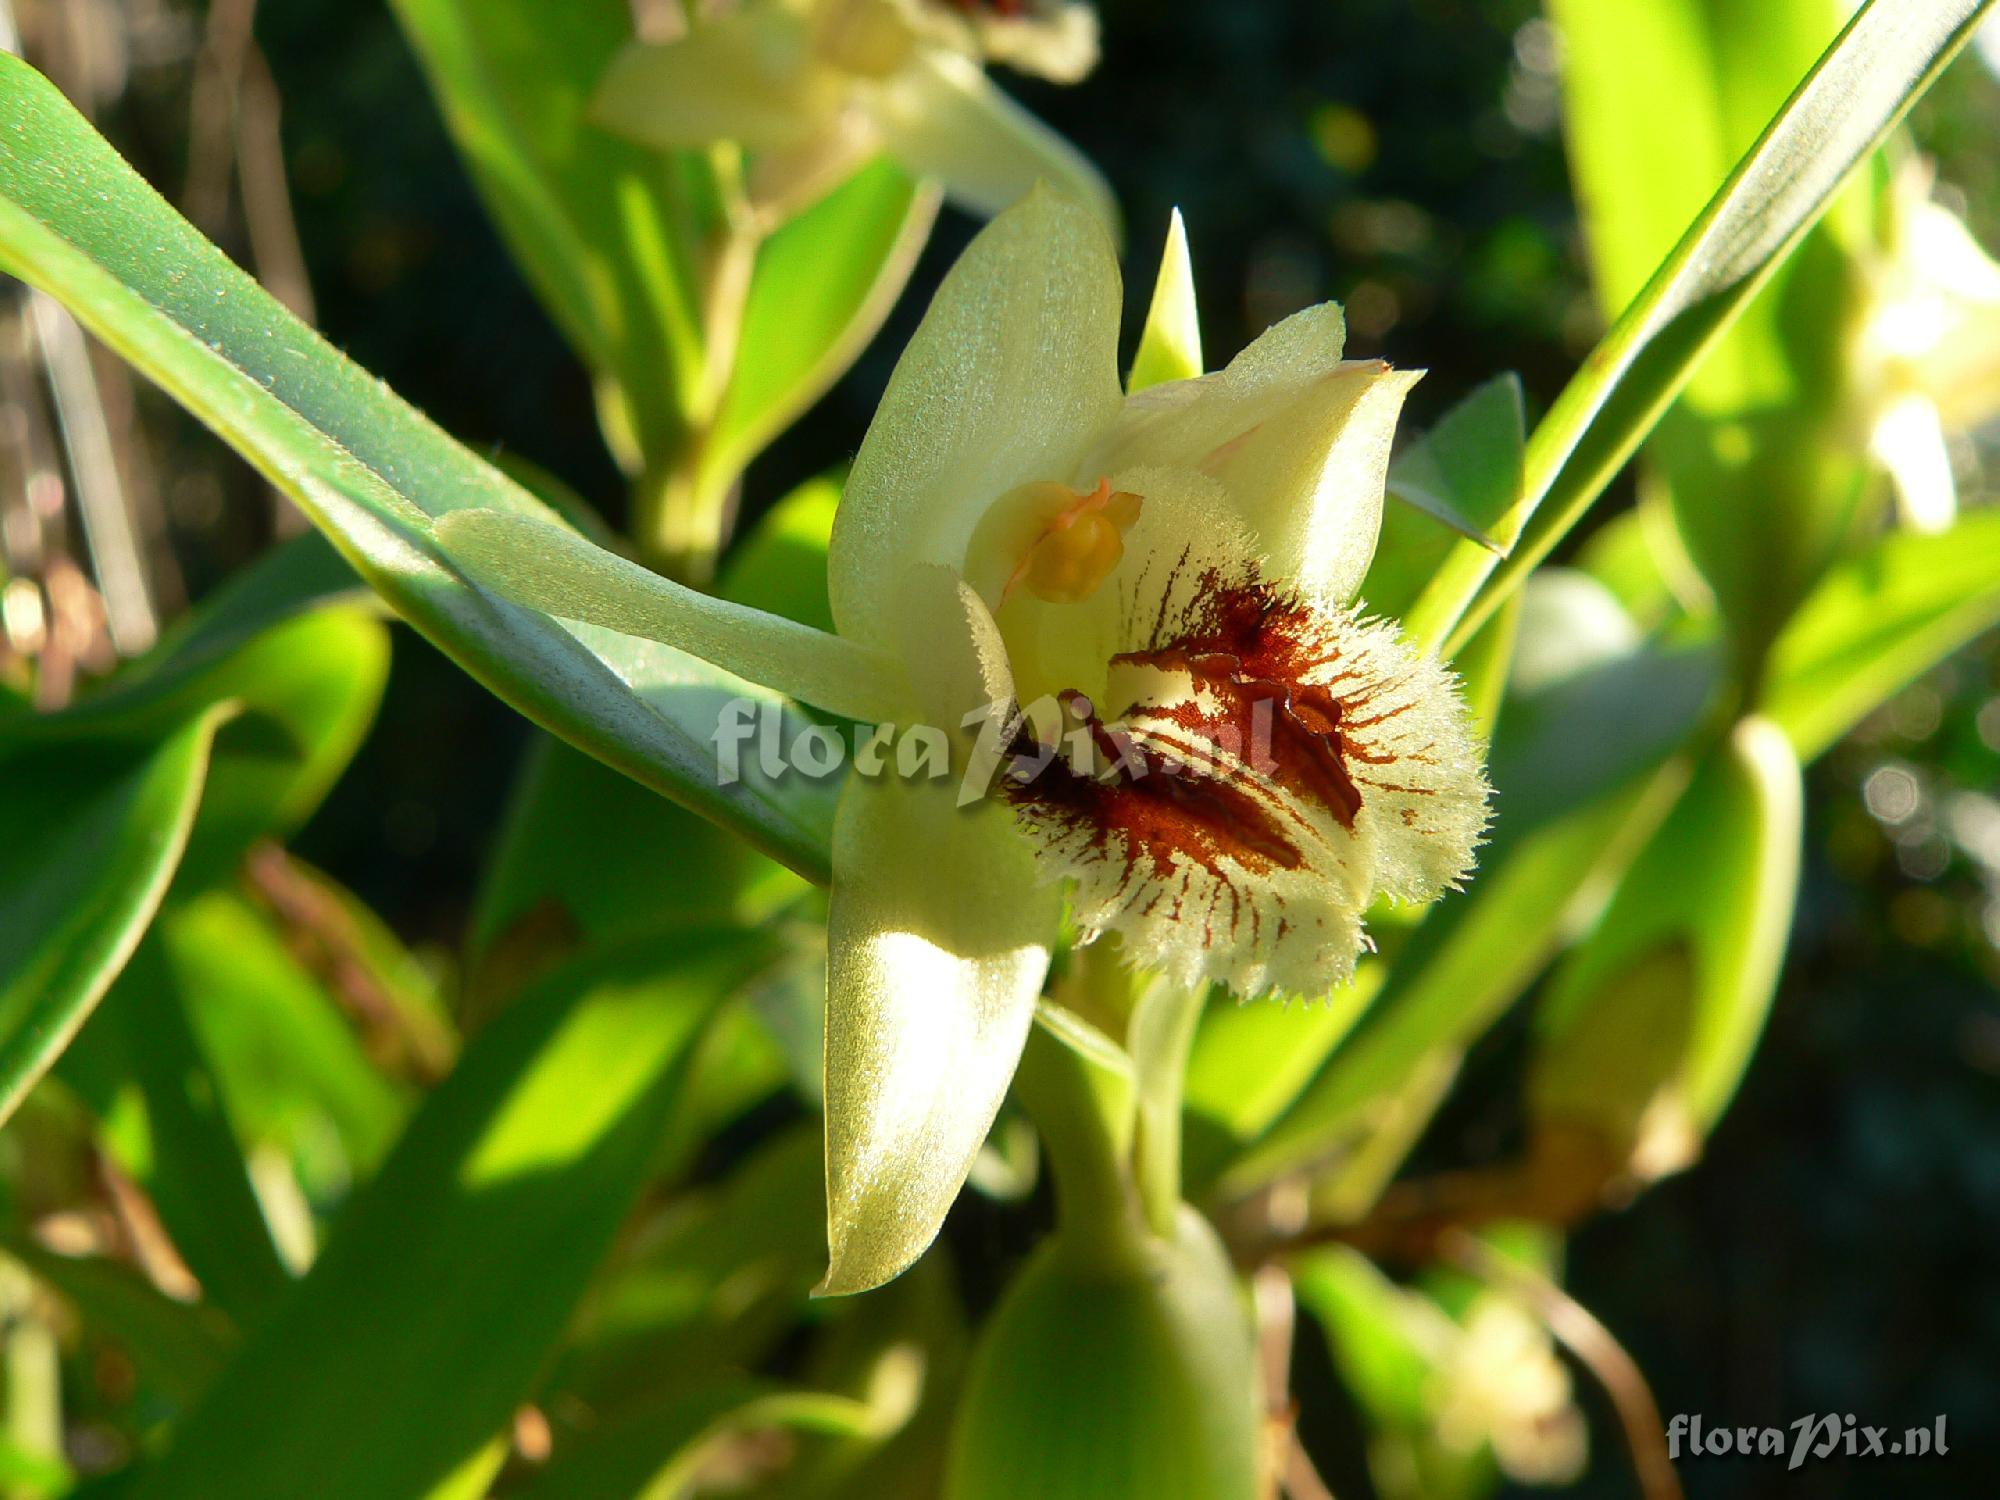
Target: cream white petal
x,y
1299,438
1908,440
943,118
745,75
553,569
936,949
1010,377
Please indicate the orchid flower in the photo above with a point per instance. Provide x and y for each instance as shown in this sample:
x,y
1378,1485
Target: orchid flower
x,y
1133,612
1929,348
811,87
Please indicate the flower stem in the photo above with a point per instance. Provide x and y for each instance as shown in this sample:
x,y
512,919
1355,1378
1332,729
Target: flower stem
x,y
1078,1088
1159,1038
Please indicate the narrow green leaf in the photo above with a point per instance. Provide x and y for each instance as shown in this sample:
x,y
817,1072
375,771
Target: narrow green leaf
x,y
1585,712
368,470
1878,621
291,1072
192,1166
660,1318
90,836
1884,60
466,1256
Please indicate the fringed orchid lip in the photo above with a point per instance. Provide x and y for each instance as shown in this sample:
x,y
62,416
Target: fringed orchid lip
x,y
1276,766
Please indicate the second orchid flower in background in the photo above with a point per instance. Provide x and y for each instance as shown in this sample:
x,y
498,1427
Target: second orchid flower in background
x,y
810,88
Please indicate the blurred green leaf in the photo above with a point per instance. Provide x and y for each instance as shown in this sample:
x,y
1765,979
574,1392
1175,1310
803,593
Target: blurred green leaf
x,y
305,691
1589,704
708,1282
1877,622
368,470
1886,58
175,1347
1250,1061
188,1160
658,1448
445,1284
295,577
587,858
90,835
291,1071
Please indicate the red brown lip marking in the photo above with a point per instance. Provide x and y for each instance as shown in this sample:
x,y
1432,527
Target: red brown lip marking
x,y
1156,806
1252,649
1245,653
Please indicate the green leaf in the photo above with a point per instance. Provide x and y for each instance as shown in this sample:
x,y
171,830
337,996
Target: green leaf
x,y
716,1282
1757,461
90,836
1589,705
188,1160
588,858
1878,621
291,1072
305,691
1462,476
445,1284
368,470
1251,1061
1887,56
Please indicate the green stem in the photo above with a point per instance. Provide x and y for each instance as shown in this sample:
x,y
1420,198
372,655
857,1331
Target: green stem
x,y
1160,1038
685,505
1078,1089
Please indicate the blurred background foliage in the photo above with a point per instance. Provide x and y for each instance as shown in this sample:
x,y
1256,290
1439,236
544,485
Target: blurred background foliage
x,y
1832,1253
